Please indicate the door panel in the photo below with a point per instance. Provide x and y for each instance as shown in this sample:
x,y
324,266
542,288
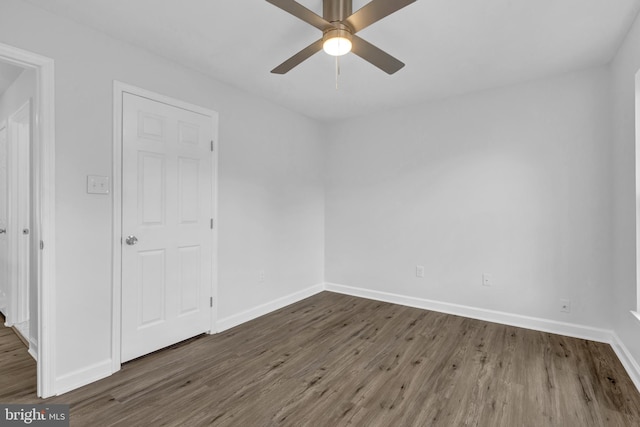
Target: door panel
x,y
167,183
189,265
188,172
152,287
151,189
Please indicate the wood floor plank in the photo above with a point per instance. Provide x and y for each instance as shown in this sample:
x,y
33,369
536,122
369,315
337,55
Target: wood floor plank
x,y
337,360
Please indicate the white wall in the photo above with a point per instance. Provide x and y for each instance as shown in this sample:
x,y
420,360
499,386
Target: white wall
x,y
514,182
271,205
625,193
266,220
20,91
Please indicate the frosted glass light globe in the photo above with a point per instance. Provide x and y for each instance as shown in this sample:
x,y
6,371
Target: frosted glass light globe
x,y
337,46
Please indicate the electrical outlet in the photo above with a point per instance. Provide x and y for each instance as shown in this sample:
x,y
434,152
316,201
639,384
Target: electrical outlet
x,y
565,306
419,270
487,279
261,276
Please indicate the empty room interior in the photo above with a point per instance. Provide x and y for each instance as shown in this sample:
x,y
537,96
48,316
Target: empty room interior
x,y
208,216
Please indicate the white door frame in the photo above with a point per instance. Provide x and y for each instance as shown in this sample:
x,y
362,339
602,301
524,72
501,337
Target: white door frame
x,y
43,139
5,304
119,89
19,251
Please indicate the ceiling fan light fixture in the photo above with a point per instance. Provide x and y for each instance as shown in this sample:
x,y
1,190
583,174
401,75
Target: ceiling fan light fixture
x,y
339,26
336,42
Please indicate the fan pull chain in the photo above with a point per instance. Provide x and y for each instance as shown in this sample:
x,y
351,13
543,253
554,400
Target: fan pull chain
x,y
337,70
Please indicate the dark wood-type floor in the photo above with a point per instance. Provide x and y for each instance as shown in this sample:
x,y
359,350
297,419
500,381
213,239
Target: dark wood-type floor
x,y
334,360
17,368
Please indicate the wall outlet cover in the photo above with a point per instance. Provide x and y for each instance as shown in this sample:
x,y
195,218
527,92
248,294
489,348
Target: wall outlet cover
x,y
487,279
565,306
98,184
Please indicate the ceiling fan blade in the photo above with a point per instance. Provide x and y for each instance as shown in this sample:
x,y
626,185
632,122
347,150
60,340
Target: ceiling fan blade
x,y
298,58
301,12
376,56
374,11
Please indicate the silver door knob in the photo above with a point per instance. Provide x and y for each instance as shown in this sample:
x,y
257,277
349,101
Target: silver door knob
x,y
131,240
3,230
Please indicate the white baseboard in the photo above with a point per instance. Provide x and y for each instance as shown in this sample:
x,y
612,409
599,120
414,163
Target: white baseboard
x,y
22,328
98,371
103,369
33,348
82,377
627,360
261,310
561,328
538,324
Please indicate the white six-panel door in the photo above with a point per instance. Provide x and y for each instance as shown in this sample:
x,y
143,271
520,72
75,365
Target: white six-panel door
x,y
167,211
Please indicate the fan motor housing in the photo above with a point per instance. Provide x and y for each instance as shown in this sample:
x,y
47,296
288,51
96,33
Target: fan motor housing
x,y
339,30
336,10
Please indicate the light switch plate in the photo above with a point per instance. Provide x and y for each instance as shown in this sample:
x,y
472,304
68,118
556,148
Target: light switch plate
x,y
98,184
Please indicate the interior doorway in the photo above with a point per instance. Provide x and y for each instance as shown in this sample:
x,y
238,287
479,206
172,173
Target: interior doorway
x,y
17,285
15,207
27,183
165,234
636,312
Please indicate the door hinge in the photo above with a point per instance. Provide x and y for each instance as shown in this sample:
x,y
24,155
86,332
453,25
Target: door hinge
x,y
210,301
41,245
212,145
211,223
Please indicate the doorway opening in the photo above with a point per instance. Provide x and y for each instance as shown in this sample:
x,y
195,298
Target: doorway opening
x,y
165,233
636,311
27,180
17,284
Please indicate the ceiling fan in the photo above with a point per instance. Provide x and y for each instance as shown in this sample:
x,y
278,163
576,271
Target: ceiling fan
x,y
339,26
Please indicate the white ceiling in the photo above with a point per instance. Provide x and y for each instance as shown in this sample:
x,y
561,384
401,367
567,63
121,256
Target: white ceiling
x,y
449,46
8,74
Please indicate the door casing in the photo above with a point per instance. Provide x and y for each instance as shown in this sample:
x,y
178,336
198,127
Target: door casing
x,y
119,88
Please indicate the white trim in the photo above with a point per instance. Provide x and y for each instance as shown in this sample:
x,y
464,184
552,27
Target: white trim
x,y
535,323
636,315
116,227
626,358
43,139
637,184
82,377
11,238
33,348
266,308
562,328
22,329
214,246
4,278
119,89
